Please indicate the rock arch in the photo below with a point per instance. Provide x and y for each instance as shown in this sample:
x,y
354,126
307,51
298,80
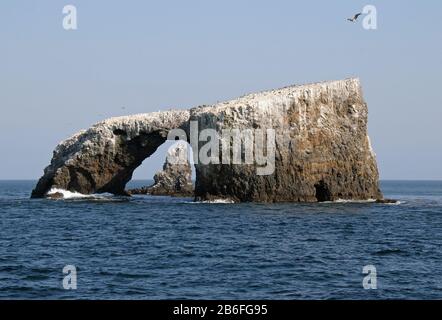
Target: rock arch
x,y
104,157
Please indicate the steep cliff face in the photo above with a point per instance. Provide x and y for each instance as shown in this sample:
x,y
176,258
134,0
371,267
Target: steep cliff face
x,y
103,158
321,148
176,177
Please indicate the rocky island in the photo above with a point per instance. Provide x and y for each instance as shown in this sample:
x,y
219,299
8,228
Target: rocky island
x,y
322,151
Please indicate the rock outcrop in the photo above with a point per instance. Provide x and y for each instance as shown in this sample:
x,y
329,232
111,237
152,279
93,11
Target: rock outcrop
x,y
323,152
176,177
103,158
321,148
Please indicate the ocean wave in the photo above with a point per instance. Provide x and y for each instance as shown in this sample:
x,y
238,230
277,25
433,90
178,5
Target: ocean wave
x,y
214,201
61,194
394,203
351,201
389,252
65,194
219,201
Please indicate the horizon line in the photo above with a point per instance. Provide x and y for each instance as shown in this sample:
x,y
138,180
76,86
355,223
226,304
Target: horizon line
x,y
404,180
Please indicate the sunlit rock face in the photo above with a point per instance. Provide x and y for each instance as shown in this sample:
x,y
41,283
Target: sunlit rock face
x,y
321,148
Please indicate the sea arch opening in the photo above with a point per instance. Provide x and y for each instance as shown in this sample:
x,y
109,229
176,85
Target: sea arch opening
x,y
323,192
158,165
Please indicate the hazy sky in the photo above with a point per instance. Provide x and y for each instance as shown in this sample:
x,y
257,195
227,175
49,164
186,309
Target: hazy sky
x,y
154,55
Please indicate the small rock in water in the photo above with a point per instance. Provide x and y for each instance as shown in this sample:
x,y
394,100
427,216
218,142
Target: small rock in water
x,y
56,195
386,201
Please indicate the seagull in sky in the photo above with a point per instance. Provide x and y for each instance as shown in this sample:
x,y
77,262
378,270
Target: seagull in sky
x,y
355,17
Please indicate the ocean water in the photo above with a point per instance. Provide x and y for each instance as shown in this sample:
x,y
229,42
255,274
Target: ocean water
x,y
171,248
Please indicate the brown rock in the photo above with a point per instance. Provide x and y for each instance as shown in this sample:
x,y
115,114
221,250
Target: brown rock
x,y
386,201
323,152
56,195
103,158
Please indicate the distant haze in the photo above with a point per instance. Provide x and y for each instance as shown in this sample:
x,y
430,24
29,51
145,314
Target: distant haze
x,y
142,56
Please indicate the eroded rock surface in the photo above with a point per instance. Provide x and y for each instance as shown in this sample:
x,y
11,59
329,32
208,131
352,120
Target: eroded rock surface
x,y
103,158
176,177
322,150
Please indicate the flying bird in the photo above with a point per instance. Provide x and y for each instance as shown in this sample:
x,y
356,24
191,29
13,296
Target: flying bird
x,y
356,16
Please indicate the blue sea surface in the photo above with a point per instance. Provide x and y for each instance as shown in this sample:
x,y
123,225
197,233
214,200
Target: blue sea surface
x,y
171,248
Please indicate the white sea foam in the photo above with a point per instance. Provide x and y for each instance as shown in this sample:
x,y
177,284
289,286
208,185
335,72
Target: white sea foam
x,y
69,195
363,201
215,201
394,203
353,201
219,201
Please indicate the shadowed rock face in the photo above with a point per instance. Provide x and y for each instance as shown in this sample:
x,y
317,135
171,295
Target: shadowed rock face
x,y
323,152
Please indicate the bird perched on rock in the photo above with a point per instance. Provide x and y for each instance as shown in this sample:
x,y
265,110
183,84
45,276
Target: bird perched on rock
x,y
355,17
